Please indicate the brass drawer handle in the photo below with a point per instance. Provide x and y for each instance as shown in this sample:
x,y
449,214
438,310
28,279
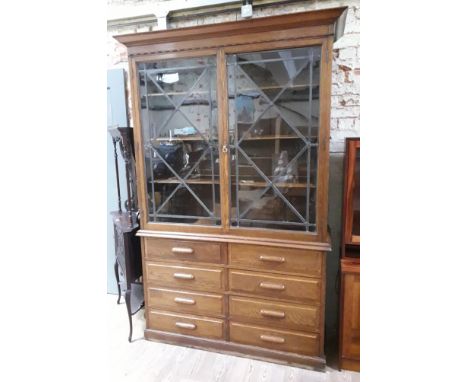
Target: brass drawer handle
x,y
187,251
184,276
272,313
273,339
187,301
185,325
274,259
273,286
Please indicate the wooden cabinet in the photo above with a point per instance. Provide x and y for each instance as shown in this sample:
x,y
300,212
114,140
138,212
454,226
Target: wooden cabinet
x,y
232,133
350,260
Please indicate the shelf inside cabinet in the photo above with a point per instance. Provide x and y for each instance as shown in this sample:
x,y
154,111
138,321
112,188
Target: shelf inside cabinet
x,y
176,93
255,138
184,138
264,184
188,181
248,183
240,91
272,137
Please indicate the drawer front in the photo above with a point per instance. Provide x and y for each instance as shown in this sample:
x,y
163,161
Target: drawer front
x,y
288,341
205,279
182,250
267,313
276,259
282,287
186,324
186,302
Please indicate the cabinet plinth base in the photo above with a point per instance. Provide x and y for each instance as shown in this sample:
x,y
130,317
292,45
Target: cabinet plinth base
x,y
239,350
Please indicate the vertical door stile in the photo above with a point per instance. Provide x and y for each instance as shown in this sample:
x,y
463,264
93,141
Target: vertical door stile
x,y
223,121
138,138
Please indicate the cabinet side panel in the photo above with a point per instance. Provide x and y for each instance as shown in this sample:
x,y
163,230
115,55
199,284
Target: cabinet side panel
x,y
139,153
324,137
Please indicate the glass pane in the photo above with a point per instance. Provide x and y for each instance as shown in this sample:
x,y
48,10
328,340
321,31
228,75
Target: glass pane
x,y
180,133
355,230
273,129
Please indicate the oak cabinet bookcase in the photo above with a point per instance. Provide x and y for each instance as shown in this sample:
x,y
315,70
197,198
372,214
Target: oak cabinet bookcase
x,y
231,135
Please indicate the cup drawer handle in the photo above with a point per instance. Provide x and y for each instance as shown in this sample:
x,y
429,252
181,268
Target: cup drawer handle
x,y
184,276
273,259
272,313
272,339
186,301
183,250
272,286
185,325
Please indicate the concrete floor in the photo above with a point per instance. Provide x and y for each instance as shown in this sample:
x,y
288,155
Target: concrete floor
x,y
145,361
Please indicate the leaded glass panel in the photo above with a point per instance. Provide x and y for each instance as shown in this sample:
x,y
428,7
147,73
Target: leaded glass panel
x,y
273,130
180,135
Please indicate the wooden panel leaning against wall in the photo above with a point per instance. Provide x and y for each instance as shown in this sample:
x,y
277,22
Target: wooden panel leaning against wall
x,y
231,129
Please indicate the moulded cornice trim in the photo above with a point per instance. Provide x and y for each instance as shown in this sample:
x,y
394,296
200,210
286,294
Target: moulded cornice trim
x,y
333,16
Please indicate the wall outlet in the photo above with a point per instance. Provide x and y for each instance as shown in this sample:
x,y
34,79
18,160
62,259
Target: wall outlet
x,y
246,11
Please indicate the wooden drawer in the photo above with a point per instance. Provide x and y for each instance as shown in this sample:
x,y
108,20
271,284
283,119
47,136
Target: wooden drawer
x,y
288,341
186,302
281,287
302,261
262,312
205,279
182,250
186,324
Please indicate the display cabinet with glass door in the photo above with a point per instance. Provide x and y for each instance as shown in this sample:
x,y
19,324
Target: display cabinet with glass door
x,y
232,127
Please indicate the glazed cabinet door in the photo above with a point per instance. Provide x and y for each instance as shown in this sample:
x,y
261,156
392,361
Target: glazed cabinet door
x,y
179,134
274,110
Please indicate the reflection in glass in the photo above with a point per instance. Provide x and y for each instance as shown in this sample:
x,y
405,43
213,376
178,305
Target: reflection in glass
x,y
273,130
179,119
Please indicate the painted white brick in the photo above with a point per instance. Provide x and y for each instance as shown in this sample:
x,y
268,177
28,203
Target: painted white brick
x,y
338,77
337,139
183,23
334,124
348,40
342,134
352,27
347,53
338,88
335,100
346,112
346,100
357,124
351,100
345,124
